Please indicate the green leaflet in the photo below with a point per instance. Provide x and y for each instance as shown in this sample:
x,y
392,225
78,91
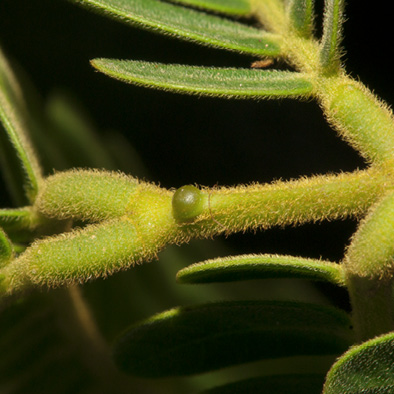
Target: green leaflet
x,y
300,12
367,368
231,7
260,267
14,118
195,339
227,82
332,36
189,24
278,384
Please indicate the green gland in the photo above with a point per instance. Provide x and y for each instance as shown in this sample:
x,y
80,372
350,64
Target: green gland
x,y
187,203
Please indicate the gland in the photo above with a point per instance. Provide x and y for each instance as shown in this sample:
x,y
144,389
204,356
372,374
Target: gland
x,y
187,203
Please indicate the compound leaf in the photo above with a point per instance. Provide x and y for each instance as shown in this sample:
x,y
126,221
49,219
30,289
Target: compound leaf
x,y
189,24
227,82
260,267
189,340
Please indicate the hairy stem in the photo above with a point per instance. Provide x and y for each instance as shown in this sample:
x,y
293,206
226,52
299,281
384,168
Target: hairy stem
x,y
290,203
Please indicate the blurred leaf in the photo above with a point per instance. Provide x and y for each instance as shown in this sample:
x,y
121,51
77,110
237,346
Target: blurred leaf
x,y
367,368
15,120
124,155
16,219
278,384
40,134
35,357
301,13
24,224
231,7
260,267
228,82
195,339
75,135
6,249
188,24
47,346
332,36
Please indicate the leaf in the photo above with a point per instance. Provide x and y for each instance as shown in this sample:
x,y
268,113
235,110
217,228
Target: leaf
x,y
332,36
189,24
367,368
195,339
229,82
260,267
301,15
278,384
231,7
15,122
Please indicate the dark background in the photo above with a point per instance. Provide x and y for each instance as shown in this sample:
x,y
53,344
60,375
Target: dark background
x,y
187,139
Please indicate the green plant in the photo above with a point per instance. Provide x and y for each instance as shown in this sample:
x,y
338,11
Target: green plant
x,y
78,225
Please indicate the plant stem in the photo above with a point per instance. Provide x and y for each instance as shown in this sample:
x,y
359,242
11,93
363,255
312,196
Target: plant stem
x,y
359,117
372,305
294,202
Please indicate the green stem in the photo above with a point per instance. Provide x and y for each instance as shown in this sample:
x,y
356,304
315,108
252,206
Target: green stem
x,y
368,266
372,306
359,117
291,203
